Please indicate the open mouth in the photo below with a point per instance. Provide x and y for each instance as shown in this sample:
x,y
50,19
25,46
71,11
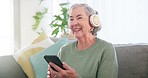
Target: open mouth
x,y
77,29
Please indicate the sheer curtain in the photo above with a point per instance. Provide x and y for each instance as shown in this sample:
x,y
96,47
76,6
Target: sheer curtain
x,y
6,30
124,21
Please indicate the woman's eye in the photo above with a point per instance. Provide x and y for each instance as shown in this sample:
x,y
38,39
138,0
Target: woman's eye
x,y
71,19
79,17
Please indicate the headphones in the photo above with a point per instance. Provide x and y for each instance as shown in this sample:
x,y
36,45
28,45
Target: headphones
x,y
94,20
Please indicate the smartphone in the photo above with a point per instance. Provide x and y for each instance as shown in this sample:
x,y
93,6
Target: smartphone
x,y
54,59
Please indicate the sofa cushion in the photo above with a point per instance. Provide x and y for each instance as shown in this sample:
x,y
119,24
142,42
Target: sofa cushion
x,y
38,62
9,68
22,56
132,60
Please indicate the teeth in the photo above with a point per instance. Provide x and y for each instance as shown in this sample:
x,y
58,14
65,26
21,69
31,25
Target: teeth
x,y
77,29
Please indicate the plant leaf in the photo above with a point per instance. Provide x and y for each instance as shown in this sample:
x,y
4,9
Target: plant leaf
x,y
55,31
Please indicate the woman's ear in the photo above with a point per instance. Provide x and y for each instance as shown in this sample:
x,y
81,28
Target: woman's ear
x,y
91,29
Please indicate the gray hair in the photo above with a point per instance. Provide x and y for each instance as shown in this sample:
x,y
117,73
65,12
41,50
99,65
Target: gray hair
x,y
89,11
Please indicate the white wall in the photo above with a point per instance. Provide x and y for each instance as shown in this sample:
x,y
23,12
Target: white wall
x,y
27,11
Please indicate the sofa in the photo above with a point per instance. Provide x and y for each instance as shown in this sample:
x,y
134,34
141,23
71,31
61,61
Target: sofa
x,y
132,62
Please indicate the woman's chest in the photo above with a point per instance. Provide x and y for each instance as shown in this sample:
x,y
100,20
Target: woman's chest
x,y
85,66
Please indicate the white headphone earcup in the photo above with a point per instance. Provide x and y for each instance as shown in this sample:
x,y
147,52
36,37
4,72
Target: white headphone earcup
x,y
94,20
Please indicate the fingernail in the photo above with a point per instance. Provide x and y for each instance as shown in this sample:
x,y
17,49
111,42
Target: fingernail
x,y
48,72
48,76
63,62
50,63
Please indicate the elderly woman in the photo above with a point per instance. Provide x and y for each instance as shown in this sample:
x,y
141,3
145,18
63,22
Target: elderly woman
x,y
89,56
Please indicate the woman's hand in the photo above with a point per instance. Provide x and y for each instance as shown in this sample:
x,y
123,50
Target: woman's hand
x,y
68,73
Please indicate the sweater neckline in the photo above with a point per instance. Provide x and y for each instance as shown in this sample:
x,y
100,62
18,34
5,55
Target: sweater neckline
x,y
82,52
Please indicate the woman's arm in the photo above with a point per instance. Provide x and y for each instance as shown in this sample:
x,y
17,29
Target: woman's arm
x,y
108,68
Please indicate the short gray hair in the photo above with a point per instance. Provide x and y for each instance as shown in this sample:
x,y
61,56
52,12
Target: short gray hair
x,y
89,11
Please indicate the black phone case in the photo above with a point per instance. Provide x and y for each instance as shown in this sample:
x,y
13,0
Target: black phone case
x,y
54,59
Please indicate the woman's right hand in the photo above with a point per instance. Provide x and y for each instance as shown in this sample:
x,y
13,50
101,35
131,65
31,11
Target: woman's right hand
x,y
68,73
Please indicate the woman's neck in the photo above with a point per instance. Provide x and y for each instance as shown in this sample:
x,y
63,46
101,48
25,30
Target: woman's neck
x,y
85,42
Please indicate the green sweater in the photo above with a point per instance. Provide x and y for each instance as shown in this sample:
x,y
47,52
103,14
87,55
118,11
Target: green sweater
x,y
98,61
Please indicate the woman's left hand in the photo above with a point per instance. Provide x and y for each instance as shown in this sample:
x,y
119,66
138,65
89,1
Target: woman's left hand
x,y
69,72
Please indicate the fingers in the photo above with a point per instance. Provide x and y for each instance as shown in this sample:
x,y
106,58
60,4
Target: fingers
x,y
51,73
56,67
68,73
48,72
65,65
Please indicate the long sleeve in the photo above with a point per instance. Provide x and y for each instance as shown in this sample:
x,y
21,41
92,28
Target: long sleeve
x,y
108,67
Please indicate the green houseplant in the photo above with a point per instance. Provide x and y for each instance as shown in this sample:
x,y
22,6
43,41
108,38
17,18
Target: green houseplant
x,y
38,17
60,22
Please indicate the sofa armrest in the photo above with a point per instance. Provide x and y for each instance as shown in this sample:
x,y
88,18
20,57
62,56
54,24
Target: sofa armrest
x,y
9,68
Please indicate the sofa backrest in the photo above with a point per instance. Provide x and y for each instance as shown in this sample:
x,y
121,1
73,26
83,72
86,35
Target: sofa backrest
x,y
132,61
9,68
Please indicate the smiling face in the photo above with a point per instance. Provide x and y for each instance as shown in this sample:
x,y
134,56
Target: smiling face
x,y
79,22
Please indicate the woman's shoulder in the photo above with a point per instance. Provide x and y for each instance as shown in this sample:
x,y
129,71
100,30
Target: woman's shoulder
x,y
107,47
69,45
104,42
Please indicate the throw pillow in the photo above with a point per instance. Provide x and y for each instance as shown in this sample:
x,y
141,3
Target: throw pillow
x,y
22,56
39,64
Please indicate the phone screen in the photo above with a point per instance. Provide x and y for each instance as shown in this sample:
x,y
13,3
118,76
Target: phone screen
x,y
54,59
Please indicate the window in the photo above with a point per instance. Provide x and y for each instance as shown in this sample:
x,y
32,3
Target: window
x,y
6,30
